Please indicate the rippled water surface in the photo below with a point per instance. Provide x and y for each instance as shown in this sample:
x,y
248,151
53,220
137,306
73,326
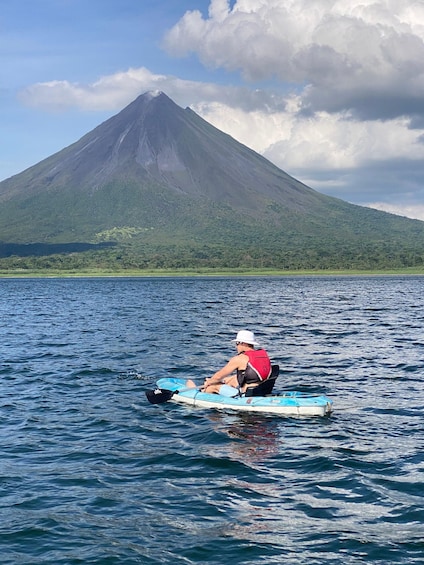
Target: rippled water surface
x,y
90,472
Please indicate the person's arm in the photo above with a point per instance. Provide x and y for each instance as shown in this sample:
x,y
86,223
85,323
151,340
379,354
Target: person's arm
x,y
233,364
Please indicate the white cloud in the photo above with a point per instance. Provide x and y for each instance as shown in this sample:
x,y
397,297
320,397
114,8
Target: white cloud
x,y
321,141
415,211
345,50
108,93
113,92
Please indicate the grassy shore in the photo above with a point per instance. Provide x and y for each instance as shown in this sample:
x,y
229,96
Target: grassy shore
x,y
56,273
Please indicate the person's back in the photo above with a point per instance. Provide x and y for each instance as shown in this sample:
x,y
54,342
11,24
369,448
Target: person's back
x,y
258,367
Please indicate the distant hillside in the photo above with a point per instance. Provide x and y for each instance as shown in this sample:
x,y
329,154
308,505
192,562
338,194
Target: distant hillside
x,y
166,185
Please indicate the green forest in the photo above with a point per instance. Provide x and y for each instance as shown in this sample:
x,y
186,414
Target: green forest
x,y
378,256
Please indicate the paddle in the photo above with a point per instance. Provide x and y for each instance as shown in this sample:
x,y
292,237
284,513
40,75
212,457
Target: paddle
x,y
161,395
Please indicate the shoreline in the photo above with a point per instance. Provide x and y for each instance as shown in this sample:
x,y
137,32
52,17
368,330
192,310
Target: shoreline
x,y
163,273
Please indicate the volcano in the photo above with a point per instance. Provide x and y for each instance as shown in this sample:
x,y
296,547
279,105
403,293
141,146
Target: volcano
x,y
160,175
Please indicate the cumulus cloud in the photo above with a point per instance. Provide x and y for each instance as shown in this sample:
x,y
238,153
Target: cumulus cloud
x,y
364,56
107,93
318,142
113,92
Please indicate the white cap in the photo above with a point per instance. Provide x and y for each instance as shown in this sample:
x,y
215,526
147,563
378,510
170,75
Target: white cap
x,y
245,336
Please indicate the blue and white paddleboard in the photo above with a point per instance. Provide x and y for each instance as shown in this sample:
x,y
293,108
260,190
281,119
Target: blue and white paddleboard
x,y
291,403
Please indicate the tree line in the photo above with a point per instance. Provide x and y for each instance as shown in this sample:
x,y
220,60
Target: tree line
x,y
372,256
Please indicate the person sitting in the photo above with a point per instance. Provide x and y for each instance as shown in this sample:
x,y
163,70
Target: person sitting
x,y
246,369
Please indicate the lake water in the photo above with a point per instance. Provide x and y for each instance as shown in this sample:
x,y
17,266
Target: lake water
x,y
90,472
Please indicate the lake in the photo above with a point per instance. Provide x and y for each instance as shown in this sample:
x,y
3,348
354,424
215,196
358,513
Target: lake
x,y
90,472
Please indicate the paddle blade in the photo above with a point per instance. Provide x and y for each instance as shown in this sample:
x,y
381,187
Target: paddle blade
x,y
159,395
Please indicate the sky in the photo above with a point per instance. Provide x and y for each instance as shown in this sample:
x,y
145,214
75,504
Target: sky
x,y
331,91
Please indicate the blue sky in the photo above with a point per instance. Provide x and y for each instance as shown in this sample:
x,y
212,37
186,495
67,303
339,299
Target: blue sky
x,y
331,91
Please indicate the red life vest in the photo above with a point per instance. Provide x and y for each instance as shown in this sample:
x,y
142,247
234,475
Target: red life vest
x,y
258,368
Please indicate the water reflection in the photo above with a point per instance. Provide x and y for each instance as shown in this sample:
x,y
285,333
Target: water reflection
x,y
255,436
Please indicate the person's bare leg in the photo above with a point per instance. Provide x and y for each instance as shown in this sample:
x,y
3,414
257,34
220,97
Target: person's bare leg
x,y
190,384
212,388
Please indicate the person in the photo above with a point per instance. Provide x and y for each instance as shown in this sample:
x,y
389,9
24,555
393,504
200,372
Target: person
x,y
246,369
